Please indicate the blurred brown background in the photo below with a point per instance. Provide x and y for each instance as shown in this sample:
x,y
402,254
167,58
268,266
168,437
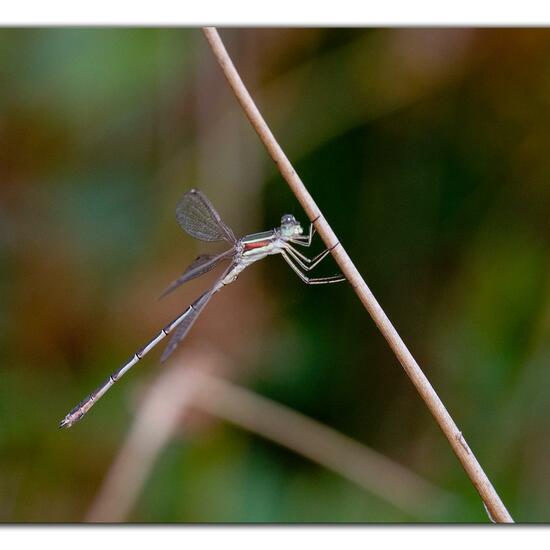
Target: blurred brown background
x,y
426,149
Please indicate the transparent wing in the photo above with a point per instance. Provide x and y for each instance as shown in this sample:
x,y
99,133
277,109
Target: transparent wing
x,y
202,264
196,216
181,330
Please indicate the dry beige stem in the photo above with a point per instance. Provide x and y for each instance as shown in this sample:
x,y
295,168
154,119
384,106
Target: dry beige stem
x,y
327,447
481,482
188,386
156,421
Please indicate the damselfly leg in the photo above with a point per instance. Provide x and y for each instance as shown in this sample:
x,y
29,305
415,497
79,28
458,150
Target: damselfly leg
x,y
304,240
300,258
311,280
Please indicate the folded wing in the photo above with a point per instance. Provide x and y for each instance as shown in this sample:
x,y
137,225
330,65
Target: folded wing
x,y
202,264
190,316
197,217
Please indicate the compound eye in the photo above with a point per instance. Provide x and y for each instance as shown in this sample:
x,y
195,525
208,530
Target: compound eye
x,y
288,219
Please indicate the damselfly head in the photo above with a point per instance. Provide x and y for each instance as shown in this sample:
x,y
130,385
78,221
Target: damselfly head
x,y
290,227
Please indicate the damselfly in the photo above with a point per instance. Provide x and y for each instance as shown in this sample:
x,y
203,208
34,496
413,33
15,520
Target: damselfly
x,y
197,217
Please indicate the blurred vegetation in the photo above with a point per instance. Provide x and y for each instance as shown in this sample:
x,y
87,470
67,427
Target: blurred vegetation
x,y
427,152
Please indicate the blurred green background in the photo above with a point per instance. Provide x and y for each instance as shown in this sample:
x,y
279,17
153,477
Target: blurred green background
x,y
426,149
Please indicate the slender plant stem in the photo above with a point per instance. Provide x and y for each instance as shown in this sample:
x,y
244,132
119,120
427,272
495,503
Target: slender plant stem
x,y
481,482
338,453
158,417
189,386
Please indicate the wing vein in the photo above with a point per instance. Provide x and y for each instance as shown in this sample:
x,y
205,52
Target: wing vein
x,y
197,216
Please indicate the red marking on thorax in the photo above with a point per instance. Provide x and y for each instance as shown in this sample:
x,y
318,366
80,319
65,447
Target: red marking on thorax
x,y
251,246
